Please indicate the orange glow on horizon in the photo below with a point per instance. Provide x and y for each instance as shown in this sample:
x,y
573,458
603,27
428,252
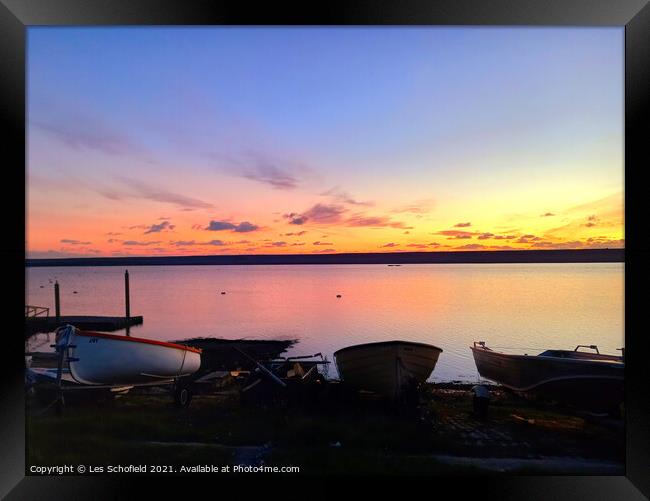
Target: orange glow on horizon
x,y
75,232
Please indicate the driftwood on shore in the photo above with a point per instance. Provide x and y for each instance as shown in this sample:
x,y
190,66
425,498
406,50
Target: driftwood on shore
x,y
222,354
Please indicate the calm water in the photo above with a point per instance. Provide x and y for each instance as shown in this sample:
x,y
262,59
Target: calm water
x,y
525,307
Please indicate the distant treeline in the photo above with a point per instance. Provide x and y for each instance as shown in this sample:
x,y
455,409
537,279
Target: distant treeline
x,y
515,256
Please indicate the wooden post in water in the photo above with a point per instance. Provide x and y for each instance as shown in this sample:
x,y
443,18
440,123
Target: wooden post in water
x,y
127,302
57,301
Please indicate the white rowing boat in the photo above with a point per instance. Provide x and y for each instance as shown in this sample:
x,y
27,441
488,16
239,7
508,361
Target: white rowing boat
x,y
387,367
98,358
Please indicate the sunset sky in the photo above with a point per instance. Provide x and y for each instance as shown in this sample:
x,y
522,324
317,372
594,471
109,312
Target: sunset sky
x,y
181,141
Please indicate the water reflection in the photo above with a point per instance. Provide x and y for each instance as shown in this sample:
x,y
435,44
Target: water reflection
x,y
528,307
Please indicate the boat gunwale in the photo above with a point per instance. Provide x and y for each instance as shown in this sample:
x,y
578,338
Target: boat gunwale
x,y
386,343
137,340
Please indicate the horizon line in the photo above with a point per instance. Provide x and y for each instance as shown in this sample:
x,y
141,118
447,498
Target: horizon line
x,y
465,256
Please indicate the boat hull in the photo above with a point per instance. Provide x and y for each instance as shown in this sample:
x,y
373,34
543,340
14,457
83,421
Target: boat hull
x,y
107,359
387,368
585,381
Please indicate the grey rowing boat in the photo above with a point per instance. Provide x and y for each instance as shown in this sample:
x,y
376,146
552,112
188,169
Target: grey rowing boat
x,y
388,367
590,380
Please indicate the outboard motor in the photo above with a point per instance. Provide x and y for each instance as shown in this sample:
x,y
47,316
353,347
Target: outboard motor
x,y
62,336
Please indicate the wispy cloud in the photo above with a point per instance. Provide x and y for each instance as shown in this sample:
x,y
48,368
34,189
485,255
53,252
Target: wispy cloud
x,y
604,242
134,188
183,243
295,218
272,175
272,169
74,242
375,221
220,226
157,228
84,132
138,243
609,203
455,234
484,247
419,207
472,247
161,195
52,253
462,225
342,196
334,213
190,243
526,239
601,242
243,227
574,244
322,243
318,214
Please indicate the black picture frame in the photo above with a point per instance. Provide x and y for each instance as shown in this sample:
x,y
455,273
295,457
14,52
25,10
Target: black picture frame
x,y
634,15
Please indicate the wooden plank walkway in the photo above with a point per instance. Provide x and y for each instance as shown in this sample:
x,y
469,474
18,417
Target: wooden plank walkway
x,y
84,322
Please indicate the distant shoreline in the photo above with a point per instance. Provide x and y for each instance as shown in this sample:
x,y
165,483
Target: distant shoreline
x,y
515,256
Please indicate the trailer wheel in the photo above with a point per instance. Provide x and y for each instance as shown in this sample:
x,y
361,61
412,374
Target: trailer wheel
x,y
182,397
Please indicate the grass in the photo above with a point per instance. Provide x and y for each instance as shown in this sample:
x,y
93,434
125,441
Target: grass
x,y
334,439
120,432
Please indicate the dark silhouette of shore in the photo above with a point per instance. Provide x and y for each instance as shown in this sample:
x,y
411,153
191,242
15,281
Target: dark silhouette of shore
x,y
516,256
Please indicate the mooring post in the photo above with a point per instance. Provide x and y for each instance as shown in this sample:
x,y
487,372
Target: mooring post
x,y
57,302
127,302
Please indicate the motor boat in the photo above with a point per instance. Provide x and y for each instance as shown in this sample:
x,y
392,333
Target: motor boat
x,y
587,379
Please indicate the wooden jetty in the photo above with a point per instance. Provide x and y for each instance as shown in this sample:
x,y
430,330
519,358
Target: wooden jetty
x,y
38,319
84,322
